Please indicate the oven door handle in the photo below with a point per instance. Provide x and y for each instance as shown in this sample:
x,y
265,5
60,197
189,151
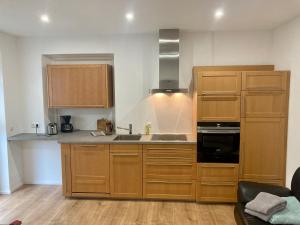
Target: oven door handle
x,y
219,131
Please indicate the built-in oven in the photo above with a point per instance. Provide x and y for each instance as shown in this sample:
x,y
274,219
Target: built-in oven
x,y
218,142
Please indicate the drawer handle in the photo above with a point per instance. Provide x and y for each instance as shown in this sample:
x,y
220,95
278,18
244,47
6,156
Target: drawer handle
x,y
218,184
183,158
89,146
159,149
125,154
169,182
167,164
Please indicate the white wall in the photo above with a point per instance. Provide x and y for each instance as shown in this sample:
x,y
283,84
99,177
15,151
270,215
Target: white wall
x,y
136,71
286,54
10,111
136,67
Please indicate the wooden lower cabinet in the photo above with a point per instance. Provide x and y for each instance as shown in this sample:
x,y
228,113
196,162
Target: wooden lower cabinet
x,y
169,171
216,182
129,171
220,172
126,171
90,168
169,189
216,191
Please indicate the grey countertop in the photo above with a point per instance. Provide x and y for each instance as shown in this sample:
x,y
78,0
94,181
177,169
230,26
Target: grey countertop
x,y
84,137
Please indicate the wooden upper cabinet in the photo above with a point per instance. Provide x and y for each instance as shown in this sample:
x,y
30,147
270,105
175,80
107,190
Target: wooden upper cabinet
x,y
126,171
218,108
264,104
80,86
219,83
90,168
265,80
263,149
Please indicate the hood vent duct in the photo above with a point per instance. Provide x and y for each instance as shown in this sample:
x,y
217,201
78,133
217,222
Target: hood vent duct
x,y
169,62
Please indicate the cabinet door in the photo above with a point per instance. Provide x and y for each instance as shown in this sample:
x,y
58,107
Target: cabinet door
x,y
79,86
219,83
126,171
218,108
263,148
264,104
90,168
265,80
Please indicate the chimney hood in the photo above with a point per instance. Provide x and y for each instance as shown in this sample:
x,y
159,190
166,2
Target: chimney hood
x,y
169,62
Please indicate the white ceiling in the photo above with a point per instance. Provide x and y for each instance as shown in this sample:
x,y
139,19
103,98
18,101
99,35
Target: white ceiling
x,y
92,17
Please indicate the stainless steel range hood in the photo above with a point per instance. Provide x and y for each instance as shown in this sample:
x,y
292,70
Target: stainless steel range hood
x,y
169,62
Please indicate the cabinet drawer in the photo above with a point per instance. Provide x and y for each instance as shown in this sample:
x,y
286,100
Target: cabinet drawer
x,y
177,171
264,104
163,189
217,172
265,80
124,147
169,153
218,108
216,191
219,83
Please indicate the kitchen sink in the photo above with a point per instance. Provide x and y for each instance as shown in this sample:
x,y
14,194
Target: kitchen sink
x,y
168,137
128,137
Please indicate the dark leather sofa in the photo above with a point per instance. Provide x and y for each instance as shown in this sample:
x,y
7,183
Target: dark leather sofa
x,y
247,191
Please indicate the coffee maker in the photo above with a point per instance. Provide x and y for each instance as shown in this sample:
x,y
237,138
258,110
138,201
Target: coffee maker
x,y
65,125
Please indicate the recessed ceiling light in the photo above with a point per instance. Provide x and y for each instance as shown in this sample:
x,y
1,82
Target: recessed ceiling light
x,y
45,18
219,13
129,16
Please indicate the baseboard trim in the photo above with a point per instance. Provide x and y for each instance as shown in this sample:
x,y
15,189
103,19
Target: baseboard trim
x,y
2,192
17,187
44,182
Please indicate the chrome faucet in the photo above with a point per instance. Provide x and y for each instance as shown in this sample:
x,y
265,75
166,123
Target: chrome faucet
x,y
129,129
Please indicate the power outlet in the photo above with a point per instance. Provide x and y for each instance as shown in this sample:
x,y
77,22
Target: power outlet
x,y
35,125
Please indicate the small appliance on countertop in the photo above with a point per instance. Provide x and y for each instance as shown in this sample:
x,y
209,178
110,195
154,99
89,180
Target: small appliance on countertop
x,y
105,126
66,126
52,129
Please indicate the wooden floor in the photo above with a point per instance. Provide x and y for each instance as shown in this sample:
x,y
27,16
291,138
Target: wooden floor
x,y
37,204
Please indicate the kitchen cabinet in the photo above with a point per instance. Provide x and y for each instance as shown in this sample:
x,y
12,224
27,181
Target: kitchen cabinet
x,y
264,104
126,171
218,108
169,171
216,191
80,86
216,182
218,97
169,189
90,168
219,83
265,96
263,140
265,81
